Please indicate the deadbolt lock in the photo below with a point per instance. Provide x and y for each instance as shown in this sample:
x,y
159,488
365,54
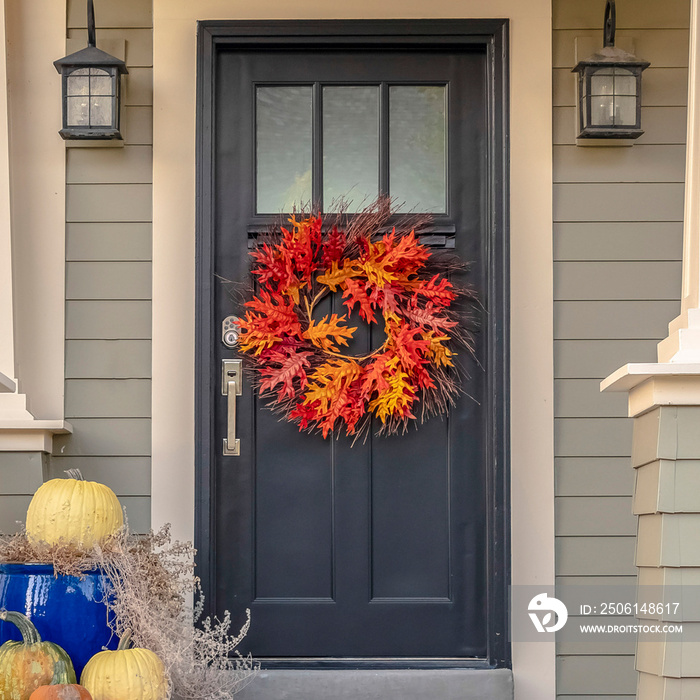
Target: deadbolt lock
x,y
230,331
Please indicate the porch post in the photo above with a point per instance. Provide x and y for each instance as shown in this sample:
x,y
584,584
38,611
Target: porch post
x,y
7,351
664,400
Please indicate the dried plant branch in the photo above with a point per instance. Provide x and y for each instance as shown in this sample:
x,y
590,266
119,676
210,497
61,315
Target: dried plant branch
x,y
151,583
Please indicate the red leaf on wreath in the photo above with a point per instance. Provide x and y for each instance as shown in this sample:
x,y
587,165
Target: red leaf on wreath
x,y
373,379
291,367
356,293
439,292
429,317
334,247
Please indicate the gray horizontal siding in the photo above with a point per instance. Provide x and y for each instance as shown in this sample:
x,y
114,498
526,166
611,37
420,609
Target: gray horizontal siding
x,y
138,125
591,281
617,241
104,398
661,163
128,165
108,359
108,203
595,556
595,359
13,513
20,473
108,278
581,398
108,242
593,476
592,437
108,320
106,437
614,320
126,476
596,675
618,202
608,515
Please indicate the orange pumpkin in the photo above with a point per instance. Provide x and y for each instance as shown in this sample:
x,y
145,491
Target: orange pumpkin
x,y
61,692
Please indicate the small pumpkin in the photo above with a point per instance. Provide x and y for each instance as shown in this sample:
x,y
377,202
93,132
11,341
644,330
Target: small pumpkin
x,y
31,663
73,511
125,674
61,692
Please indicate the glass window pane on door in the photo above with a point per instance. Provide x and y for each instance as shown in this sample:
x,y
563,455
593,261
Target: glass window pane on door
x,y
417,147
283,148
350,145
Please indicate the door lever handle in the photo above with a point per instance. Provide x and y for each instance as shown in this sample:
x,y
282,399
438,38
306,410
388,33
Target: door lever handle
x,y
231,386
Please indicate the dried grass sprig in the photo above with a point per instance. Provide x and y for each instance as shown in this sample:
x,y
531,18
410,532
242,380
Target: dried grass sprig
x,y
153,590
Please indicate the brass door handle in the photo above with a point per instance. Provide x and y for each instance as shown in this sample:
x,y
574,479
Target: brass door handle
x,y
231,386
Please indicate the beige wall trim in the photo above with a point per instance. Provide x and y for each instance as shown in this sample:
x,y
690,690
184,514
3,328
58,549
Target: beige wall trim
x,y
651,385
683,343
7,349
32,201
531,269
31,435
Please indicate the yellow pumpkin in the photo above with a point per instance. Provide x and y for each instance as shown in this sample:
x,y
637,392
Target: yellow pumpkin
x,y
125,674
73,511
31,663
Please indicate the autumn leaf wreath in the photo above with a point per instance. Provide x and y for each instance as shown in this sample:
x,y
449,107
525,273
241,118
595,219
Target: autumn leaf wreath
x,y
298,357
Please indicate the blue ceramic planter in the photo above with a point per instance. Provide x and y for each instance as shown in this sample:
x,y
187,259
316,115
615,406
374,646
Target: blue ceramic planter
x,y
67,610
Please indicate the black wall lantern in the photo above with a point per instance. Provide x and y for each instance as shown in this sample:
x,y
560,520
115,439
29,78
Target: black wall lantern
x,y
91,90
610,89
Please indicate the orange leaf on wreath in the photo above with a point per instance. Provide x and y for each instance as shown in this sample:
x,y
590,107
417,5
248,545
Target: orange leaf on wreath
x,y
324,333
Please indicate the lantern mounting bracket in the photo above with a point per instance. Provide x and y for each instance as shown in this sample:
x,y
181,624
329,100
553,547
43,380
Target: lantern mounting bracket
x,y
609,27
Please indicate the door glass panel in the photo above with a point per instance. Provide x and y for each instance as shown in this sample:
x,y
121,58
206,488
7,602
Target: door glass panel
x,y
417,147
283,148
350,145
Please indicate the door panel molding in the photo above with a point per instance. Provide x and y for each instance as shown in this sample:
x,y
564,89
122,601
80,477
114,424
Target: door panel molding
x,y
488,35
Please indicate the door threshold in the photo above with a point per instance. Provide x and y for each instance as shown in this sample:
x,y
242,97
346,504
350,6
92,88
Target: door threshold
x,y
380,684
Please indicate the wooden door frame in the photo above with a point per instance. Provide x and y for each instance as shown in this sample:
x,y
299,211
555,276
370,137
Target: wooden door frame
x,y
492,35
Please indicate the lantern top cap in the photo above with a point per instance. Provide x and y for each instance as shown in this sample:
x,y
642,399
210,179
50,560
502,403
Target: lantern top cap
x,y
90,56
611,55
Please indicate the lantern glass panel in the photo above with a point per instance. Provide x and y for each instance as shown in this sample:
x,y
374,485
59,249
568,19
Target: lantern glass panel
x,y
626,111
77,82
625,82
101,111
602,110
100,85
90,96
603,82
78,111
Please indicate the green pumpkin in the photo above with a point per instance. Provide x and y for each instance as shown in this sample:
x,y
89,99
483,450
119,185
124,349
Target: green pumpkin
x,y
26,665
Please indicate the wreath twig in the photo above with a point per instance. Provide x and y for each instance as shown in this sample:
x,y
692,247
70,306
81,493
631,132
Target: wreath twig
x,y
302,361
